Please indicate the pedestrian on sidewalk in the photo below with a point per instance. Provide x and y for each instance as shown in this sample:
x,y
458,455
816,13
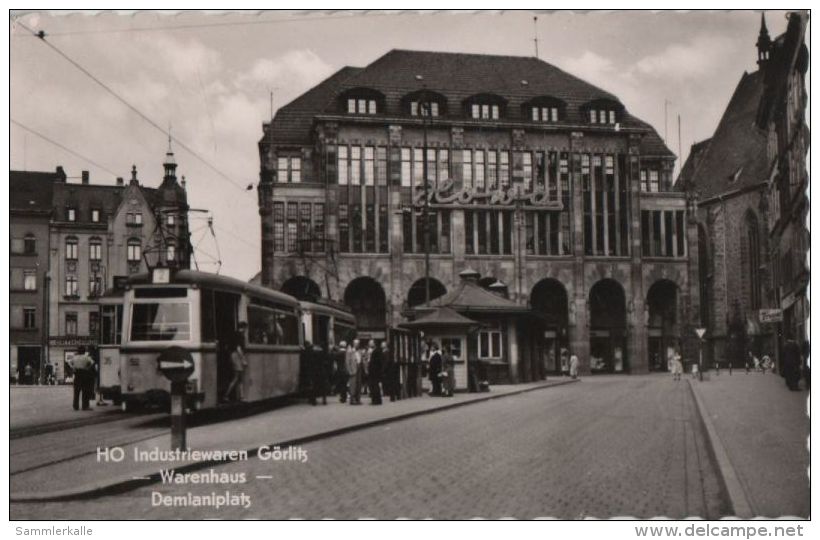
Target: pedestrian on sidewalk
x,y
353,363
435,369
449,372
676,365
375,373
392,379
315,360
342,375
573,366
83,367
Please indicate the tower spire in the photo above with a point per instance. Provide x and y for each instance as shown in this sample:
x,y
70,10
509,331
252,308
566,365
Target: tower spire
x,y
764,42
170,162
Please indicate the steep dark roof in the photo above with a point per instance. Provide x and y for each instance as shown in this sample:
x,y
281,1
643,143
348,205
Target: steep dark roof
x,y
30,191
293,121
456,76
736,156
696,153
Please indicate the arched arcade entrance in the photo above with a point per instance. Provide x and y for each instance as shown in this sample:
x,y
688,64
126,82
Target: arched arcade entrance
x,y
366,299
607,332
303,288
663,334
416,296
549,299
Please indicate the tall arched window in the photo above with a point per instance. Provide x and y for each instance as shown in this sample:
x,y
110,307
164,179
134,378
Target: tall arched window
x,y
753,257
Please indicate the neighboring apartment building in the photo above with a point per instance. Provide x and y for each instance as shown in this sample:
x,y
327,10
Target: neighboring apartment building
x,y
30,195
750,181
86,237
543,185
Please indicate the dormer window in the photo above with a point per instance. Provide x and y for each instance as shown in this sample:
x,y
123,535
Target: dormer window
x,y
544,109
484,111
361,106
604,112
361,101
485,107
602,116
424,103
419,108
544,114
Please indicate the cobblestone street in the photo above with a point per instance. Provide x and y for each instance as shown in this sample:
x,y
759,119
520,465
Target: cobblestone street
x,y
609,446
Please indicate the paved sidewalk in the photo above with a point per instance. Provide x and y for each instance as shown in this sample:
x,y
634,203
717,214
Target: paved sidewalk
x,y
759,430
84,476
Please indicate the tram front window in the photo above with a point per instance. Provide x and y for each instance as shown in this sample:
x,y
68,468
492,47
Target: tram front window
x,y
161,322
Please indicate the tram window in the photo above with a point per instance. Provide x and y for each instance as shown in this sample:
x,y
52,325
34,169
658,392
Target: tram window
x,y
160,322
266,326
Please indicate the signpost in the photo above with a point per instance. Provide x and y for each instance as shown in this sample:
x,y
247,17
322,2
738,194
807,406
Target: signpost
x,y
700,332
177,365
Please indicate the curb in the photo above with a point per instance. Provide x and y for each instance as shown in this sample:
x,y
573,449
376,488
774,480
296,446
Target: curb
x,y
729,479
130,483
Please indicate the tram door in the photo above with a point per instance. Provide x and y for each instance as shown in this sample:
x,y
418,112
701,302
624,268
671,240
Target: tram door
x,y
226,308
321,330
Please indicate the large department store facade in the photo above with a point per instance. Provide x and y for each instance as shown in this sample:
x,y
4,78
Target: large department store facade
x,y
540,185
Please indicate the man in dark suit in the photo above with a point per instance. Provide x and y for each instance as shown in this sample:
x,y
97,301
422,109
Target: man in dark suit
x,y
375,374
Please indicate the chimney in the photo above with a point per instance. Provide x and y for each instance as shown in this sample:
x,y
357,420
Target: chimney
x,y
119,181
60,174
85,177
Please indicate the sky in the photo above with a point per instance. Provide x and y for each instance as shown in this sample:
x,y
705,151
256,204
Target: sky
x,y
209,76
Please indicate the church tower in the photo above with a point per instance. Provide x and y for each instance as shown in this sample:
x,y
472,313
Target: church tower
x,y
764,43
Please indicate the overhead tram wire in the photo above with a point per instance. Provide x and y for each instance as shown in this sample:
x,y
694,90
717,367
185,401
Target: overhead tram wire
x,y
146,118
58,145
312,18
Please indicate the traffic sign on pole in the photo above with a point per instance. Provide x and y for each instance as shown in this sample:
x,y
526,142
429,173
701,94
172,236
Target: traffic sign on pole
x,y
177,364
700,332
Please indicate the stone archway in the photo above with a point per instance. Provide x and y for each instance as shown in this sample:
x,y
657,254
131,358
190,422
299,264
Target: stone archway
x,y
366,299
550,300
607,322
418,292
303,288
662,324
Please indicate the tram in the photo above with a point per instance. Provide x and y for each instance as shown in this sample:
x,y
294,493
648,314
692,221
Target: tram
x,y
200,313
108,344
326,324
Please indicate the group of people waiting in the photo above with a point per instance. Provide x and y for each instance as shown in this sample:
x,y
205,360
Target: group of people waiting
x,y
352,370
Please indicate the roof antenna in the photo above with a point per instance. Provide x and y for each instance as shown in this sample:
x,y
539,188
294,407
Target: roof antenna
x,y
535,33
